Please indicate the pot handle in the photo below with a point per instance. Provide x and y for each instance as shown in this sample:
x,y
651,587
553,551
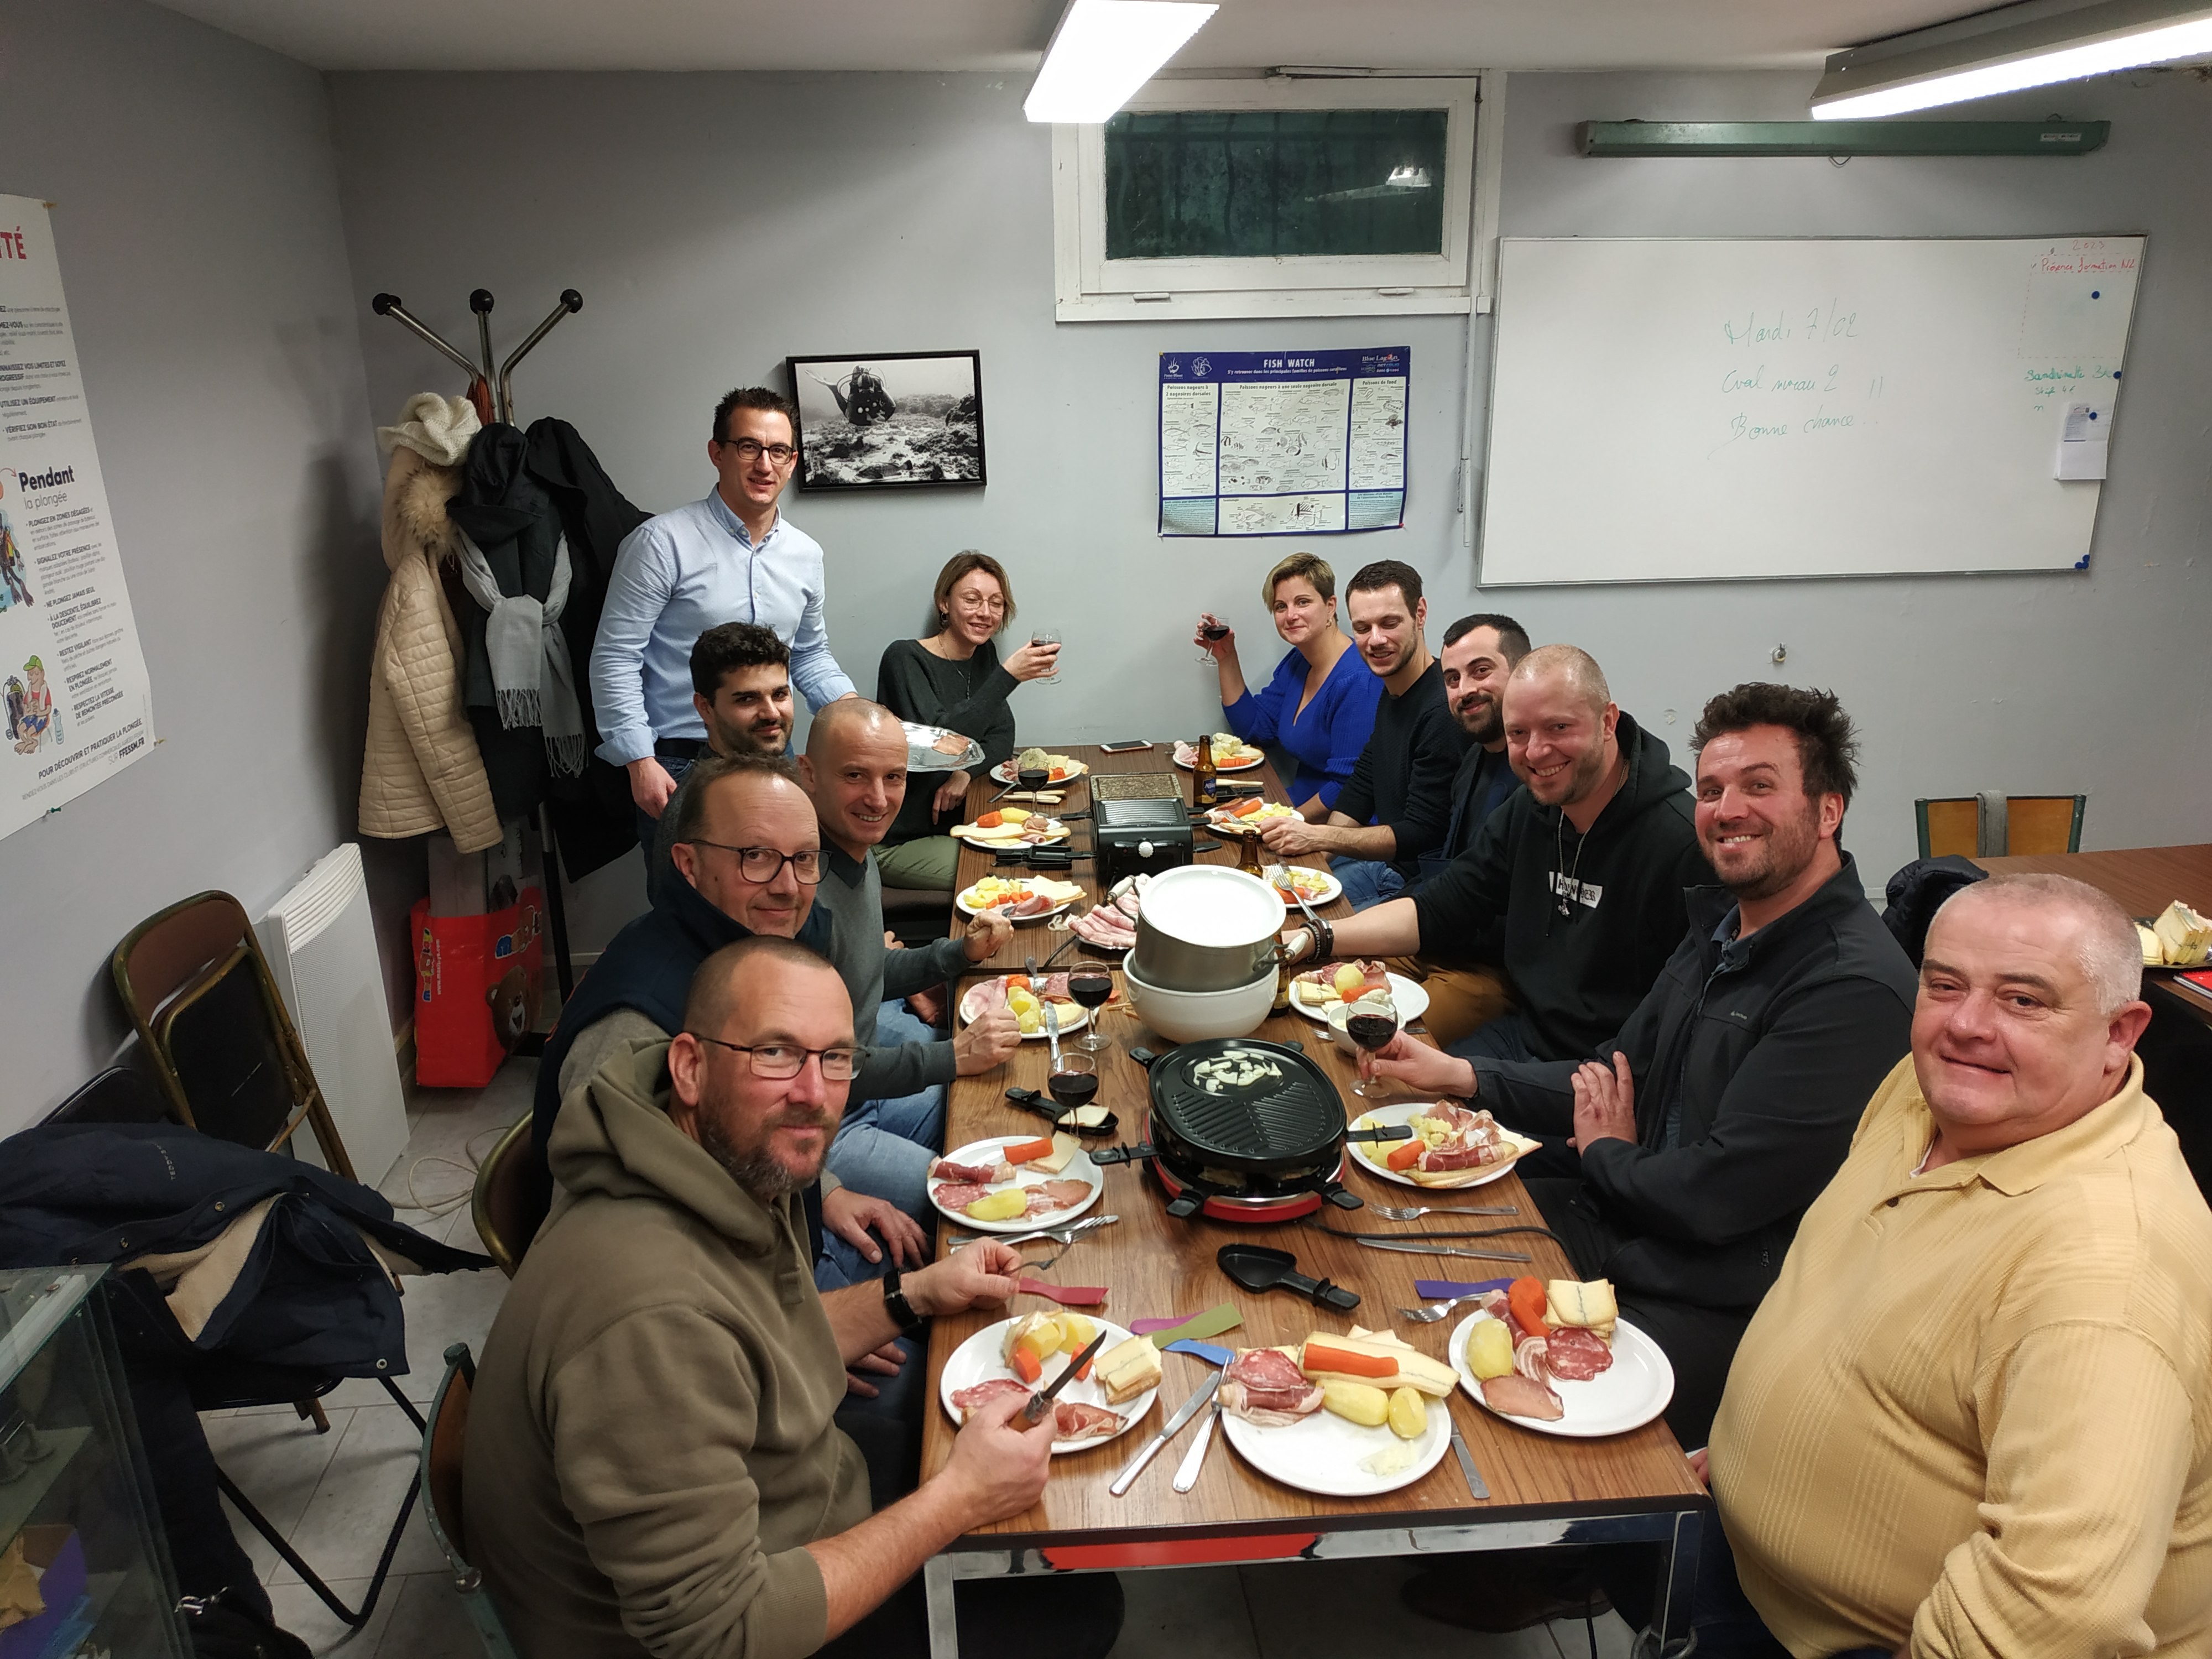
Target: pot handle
x,y
1379,1132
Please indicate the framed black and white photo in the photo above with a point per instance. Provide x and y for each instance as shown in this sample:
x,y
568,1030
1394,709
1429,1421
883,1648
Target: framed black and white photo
x,y
890,420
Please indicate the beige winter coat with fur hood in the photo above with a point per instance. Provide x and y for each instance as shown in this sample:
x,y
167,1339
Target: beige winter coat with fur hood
x,y
422,771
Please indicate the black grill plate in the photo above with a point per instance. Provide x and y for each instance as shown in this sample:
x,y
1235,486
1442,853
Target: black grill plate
x,y
1290,1121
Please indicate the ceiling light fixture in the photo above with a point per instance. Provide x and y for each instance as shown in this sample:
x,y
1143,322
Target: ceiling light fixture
x,y
1104,51
2008,49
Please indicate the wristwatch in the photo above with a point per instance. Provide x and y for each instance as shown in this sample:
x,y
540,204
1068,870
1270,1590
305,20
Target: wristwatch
x,y
910,1322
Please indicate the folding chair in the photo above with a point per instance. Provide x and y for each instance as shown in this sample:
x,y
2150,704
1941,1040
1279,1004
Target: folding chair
x,y
200,993
443,1441
1994,825
505,1205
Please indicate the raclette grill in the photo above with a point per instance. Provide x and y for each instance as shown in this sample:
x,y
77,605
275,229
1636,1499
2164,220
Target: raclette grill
x,y
1139,825
1268,1151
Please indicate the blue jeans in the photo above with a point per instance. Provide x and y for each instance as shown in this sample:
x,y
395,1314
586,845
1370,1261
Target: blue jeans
x,y
1367,882
884,1147
1721,1616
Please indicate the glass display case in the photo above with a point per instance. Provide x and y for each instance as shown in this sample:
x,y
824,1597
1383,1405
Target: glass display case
x,y
83,1571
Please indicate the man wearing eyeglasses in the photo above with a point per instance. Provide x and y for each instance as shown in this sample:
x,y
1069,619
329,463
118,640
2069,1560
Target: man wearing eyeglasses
x,y
729,557
657,1398
747,858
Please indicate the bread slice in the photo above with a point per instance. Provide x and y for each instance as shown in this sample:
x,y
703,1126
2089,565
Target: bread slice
x,y
1127,1369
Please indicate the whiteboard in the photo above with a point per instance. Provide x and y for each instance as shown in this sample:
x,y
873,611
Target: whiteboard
x,y
1666,411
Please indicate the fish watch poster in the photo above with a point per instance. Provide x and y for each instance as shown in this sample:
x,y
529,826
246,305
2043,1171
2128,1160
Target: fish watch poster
x,y
1282,443
78,706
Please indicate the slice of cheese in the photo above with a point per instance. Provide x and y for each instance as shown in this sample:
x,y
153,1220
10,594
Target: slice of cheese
x,y
1588,1303
1063,1148
1127,1369
2185,936
1415,1370
2154,951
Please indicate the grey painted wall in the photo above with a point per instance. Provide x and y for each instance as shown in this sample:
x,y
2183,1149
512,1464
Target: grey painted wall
x,y
716,223
206,273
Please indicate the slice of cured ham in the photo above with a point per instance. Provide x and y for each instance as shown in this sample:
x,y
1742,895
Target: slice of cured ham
x,y
1265,1385
966,1400
959,1194
1576,1355
981,1173
1072,1420
1048,1196
1521,1396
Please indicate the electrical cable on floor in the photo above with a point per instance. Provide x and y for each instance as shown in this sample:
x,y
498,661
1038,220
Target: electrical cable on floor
x,y
447,1203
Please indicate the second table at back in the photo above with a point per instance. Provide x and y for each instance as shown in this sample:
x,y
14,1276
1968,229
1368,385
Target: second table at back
x,y
1541,1489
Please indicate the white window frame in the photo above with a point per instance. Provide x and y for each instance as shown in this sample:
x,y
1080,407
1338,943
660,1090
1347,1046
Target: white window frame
x,y
1090,288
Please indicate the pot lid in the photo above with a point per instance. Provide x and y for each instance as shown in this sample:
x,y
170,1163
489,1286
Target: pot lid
x,y
1247,1103
1212,906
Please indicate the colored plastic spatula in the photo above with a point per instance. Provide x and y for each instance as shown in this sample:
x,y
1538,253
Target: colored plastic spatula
x,y
1068,1295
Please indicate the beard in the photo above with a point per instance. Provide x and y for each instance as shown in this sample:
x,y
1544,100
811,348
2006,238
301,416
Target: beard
x,y
750,1164
1482,720
1780,859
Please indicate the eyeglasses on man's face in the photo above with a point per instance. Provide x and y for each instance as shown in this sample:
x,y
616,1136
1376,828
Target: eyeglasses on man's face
x,y
781,1060
763,865
751,449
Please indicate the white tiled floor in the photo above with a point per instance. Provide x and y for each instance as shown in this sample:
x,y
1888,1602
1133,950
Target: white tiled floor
x,y
333,1495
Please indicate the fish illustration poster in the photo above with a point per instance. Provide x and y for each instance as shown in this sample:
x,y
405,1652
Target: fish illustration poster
x,y
78,706
1282,443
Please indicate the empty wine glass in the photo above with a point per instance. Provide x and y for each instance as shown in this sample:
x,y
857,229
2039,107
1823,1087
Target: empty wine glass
x,y
1091,985
1211,627
1047,637
1371,1023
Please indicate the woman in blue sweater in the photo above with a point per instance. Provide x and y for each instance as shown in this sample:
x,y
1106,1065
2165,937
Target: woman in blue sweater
x,y
1320,706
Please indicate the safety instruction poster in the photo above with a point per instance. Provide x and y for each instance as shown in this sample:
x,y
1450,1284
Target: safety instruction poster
x,y
78,704
1282,443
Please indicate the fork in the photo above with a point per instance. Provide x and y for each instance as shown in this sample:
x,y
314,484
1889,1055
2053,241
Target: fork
x,y
1435,1310
1061,1236
1414,1212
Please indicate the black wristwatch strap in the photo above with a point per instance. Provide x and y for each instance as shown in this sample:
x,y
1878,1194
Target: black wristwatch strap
x,y
910,1322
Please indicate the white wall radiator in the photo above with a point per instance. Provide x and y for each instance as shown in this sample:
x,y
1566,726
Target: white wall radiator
x,y
321,947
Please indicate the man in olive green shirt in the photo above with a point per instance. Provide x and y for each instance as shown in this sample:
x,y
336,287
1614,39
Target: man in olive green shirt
x,y
1974,1415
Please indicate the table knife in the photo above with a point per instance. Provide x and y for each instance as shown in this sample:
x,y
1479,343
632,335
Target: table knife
x,y
1467,1464
1184,1413
1040,1403
1413,1248
1186,1474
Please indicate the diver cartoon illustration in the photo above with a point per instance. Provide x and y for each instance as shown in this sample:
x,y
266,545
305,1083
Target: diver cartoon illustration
x,y
32,722
14,589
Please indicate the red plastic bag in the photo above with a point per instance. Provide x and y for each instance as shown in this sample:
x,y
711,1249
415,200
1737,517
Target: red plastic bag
x,y
477,982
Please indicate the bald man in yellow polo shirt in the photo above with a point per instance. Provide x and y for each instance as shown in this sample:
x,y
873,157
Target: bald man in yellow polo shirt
x,y
1974,1415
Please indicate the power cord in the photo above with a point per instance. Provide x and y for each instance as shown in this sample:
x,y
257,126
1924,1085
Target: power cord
x,y
447,1203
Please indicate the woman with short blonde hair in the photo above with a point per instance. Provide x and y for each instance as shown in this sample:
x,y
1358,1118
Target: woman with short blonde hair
x,y
1320,704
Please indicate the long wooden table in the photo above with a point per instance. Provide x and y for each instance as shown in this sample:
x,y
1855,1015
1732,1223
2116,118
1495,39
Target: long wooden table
x,y
1542,1489
2143,881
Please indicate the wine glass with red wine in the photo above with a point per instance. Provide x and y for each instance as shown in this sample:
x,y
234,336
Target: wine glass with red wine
x,y
1210,629
1091,985
1371,1023
1075,1083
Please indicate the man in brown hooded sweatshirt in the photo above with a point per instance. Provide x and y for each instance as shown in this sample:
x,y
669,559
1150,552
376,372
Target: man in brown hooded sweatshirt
x,y
652,1463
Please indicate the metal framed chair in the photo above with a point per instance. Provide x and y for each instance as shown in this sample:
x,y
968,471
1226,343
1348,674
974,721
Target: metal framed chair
x,y
505,1204
199,993
443,1441
1993,825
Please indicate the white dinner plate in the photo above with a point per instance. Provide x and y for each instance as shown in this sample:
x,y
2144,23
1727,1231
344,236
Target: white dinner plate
x,y
960,899
1190,763
1409,994
1627,1396
1370,1153
1331,891
1080,1168
1073,1016
977,1360
1004,771
1003,843
1322,1453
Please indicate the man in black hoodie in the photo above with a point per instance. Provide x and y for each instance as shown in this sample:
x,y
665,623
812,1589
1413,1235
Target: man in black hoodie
x,y
1585,868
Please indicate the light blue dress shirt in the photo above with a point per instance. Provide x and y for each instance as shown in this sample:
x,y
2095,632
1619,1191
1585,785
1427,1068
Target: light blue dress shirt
x,y
679,574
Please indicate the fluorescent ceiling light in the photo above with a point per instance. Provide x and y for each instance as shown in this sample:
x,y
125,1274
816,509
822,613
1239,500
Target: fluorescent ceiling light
x,y
1104,51
2004,50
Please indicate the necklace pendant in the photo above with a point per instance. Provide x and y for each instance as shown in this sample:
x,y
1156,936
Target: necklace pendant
x,y
1566,909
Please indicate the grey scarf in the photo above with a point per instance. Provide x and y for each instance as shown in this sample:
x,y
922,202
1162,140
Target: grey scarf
x,y
534,682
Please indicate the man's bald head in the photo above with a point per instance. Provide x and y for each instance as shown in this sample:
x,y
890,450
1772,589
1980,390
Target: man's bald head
x,y
714,986
2076,917
848,722
856,771
1569,665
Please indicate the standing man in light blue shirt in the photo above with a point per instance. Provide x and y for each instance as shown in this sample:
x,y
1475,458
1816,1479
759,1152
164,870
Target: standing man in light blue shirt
x,y
732,557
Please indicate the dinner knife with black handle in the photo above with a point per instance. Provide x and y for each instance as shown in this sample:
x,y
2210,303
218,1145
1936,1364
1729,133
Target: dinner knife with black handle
x,y
1040,1403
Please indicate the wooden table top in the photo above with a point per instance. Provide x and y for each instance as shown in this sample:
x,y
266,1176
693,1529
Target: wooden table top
x,y
1157,1266
2143,881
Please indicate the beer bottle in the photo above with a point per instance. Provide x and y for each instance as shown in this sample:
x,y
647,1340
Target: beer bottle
x,y
1283,972
1206,785
1248,853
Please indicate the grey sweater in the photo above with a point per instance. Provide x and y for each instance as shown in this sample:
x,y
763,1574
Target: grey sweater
x,y
852,893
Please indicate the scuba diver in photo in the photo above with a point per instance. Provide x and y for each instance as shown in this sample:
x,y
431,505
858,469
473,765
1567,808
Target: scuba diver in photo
x,y
861,396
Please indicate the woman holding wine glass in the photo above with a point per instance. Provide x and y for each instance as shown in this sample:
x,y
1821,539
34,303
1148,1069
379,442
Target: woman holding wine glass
x,y
1320,704
953,678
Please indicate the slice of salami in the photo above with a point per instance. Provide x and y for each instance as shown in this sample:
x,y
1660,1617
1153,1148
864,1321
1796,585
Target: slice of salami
x,y
958,1194
1576,1355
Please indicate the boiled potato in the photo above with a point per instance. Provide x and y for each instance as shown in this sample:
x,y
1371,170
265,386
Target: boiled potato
x,y
1031,1023
1349,979
1078,1332
1409,1413
1489,1350
1358,1402
1022,1002
1002,1205
1013,814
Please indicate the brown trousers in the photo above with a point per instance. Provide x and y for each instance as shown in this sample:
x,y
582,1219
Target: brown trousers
x,y
1460,999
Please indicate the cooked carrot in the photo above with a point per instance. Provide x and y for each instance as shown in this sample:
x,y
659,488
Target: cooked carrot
x,y
990,820
1322,1356
1014,981
1244,809
1404,1157
1524,1300
1057,773
1084,1374
1027,1366
1023,1151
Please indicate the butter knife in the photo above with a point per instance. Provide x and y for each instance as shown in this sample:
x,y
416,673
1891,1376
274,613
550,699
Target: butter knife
x,y
1467,1464
1413,1248
1185,1475
1184,1413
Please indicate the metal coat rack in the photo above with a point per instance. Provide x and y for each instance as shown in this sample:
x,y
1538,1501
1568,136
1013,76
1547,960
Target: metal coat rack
x,y
501,382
